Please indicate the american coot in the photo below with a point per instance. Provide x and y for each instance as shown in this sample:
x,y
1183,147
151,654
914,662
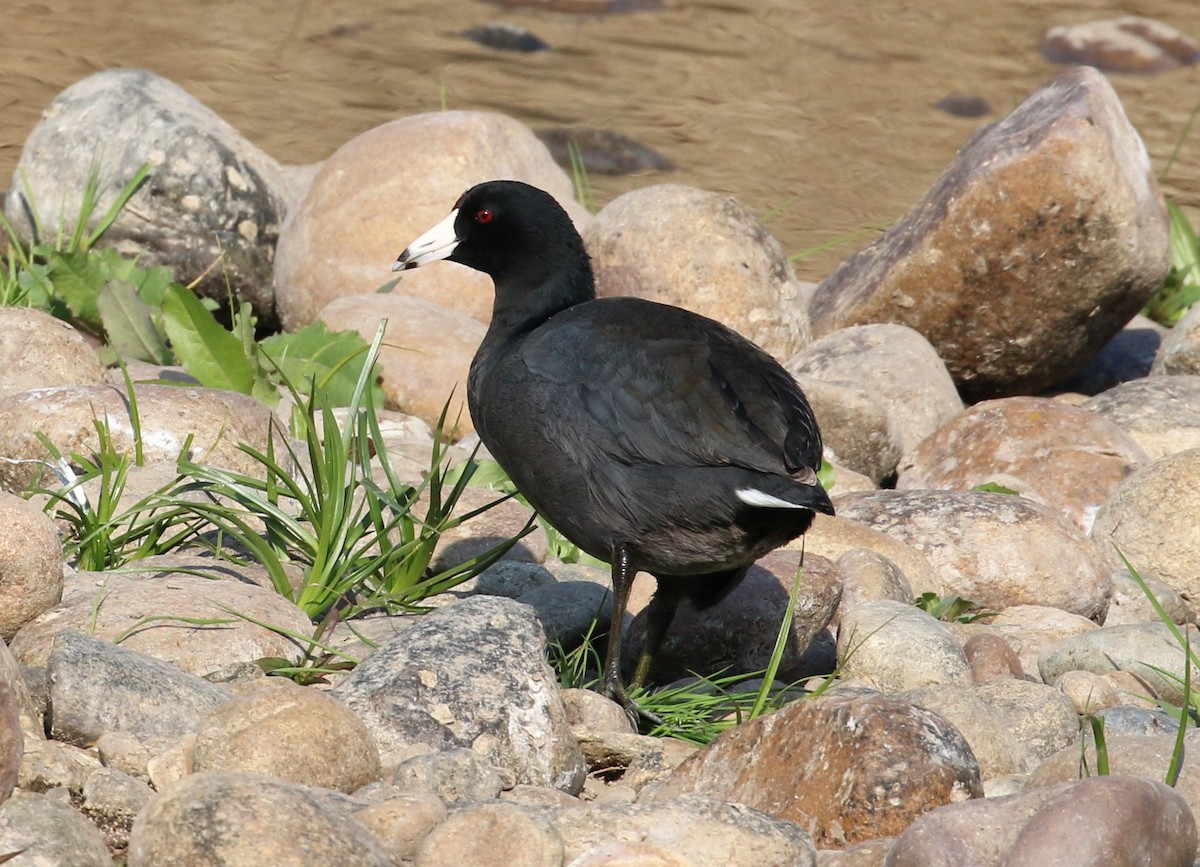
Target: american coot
x,y
654,438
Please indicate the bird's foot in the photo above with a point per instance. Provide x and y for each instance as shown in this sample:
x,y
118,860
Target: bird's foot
x,y
642,720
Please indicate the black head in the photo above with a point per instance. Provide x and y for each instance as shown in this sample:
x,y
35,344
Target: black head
x,y
513,232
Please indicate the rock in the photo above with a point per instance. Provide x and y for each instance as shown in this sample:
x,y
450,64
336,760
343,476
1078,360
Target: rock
x,y
426,354
831,537
964,105
493,833
1124,719
1131,605
1039,717
12,741
1110,821
738,634
453,775
1127,357
117,607
1147,650
277,731
895,646
1148,519
895,365
847,768
868,576
403,821
503,36
510,578
31,564
50,765
49,833
995,550
854,428
112,799
385,187
1028,629
701,831
1179,354
126,753
1161,413
472,674
603,152
1059,200
1127,44
1128,755
1088,693
499,523
97,687
219,421
702,251
242,820
37,350
570,611
1063,456
991,658
212,196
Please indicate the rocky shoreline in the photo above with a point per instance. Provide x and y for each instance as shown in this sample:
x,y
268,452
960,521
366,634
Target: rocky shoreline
x,y
138,724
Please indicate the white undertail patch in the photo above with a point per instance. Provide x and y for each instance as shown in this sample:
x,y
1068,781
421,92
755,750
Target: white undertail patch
x,y
755,497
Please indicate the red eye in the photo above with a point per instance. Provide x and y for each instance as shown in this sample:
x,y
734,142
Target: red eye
x,y
484,216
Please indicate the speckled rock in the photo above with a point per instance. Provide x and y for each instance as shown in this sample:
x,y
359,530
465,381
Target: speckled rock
x,y
846,768
382,189
50,833
831,537
219,421
1127,44
996,550
1028,629
1060,455
855,430
991,658
212,196
894,364
702,251
1179,353
471,674
1042,239
248,819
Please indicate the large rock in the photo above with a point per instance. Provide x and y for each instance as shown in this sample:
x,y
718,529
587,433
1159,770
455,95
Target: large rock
x,y
472,674
426,353
893,364
31,564
702,251
1150,518
996,550
242,820
1042,239
1162,413
385,187
212,198
37,350
845,768
1048,451
218,420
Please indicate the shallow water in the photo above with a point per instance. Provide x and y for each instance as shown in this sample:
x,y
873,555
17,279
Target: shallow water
x,y
824,112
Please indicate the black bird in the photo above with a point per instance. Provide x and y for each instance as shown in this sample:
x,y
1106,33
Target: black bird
x,y
654,438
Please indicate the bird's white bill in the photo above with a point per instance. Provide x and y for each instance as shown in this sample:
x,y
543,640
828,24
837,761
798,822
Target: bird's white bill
x,y
755,497
438,243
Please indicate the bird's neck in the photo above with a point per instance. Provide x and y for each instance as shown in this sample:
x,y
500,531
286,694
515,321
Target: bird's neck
x,y
519,309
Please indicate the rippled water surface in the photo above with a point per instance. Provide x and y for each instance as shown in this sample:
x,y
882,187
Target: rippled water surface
x,y
820,113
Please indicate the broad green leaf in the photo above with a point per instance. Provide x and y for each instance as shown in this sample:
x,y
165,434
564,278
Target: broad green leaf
x,y
205,349
78,283
334,360
127,322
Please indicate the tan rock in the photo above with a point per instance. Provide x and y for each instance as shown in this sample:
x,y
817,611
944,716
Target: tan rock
x,y
38,350
382,189
701,251
1063,456
31,564
1042,239
278,730
492,833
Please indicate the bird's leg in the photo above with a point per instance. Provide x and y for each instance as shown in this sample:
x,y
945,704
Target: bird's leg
x,y
659,614
623,572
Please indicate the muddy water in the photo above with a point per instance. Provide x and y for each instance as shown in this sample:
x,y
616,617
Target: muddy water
x,y
822,111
